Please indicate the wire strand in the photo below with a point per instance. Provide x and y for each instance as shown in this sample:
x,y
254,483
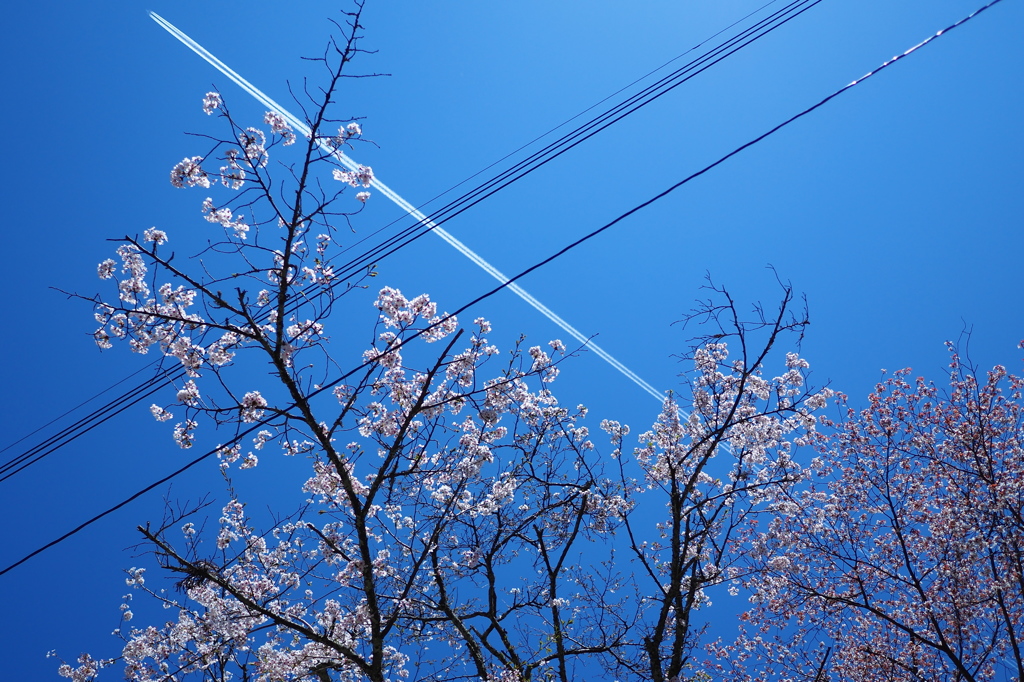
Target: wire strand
x,y
135,395
525,272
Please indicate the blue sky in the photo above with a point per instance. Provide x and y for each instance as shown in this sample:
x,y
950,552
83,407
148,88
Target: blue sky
x,y
896,209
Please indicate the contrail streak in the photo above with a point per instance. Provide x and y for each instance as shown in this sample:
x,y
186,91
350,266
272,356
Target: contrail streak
x,y
302,128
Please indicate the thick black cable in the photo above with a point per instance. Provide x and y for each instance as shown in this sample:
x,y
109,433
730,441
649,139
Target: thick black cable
x,y
77,407
461,203
725,158
128,500
88,423
522,274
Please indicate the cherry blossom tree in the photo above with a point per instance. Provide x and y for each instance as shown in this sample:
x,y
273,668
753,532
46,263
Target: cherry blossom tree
x,y
447,490
902,558
710,468
455,521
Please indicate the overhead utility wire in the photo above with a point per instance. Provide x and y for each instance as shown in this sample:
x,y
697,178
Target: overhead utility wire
x,y
88,423
75,408
577,136
133,396
425,224
561,125
550,258
301,127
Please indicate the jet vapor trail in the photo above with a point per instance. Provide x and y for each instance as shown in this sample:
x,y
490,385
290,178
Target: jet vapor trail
x,y
301,128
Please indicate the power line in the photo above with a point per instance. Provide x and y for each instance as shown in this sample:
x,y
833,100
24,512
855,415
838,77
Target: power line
x,y
89,422
562,125
651,93
302,128
426,224
75,408
525,272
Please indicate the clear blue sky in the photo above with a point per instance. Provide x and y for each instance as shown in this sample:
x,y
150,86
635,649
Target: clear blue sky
x,y
897,209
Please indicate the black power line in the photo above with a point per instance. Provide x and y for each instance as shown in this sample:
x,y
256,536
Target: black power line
x,y
76,407
584,132
89,422
471,198
600,118
525,272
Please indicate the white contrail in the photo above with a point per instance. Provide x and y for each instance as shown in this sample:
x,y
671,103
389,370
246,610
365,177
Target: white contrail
x,y
301,128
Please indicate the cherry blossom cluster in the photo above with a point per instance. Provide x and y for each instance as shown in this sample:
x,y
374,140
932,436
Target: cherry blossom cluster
x,y
253,142
251,156
225,218
232,174
416,482
902,549
708,469
456,521
361,176
165,321
211,102
279,126
346,133
171,322
189,173
735,410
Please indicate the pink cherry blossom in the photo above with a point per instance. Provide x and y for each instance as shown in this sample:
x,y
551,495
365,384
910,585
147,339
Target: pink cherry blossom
x,y
211,102
189,173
